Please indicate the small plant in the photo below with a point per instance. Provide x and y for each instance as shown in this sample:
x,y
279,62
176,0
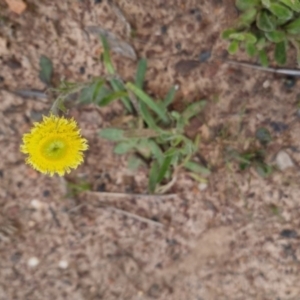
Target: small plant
x,y
263,23
154,134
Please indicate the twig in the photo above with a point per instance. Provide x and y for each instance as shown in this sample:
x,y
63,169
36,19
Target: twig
x,y
134,216
291,72
126,195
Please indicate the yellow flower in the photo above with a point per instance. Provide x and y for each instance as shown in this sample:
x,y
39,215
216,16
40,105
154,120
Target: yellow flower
x,y
54,145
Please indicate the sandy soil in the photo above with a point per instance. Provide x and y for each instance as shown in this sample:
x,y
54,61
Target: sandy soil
x,y
235,238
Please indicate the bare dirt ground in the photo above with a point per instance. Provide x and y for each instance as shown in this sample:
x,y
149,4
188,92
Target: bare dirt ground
x,y
235,238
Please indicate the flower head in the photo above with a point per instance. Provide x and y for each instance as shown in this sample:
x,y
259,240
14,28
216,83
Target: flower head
x,y
54,145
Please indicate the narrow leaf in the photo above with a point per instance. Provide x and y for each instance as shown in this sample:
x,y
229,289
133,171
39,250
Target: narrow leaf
x,y
193,109
153,177
148,100
112,134
106,56
123,148
147,116
197,168
119,87
164,168
141,72
113,96
46,69
169,97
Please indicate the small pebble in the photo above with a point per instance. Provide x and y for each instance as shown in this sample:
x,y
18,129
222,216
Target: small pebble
x,y
63,264
82,70
97,1
289,82
36,204
46,193
288,233
33,262
202,186
164,29
204,56
31,224
266,84
283,161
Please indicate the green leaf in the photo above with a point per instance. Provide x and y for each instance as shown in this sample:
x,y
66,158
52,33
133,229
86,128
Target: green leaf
x,y
112,134
164,168
275,36
293,4
240,36
148,100
97,87
227,32
261,43
250,38
46,69
141,72
123,147
233,47
106,56
293,27
246,4
118,86
280,53
264,170
153,177
111,97
169,97
251,49
264,21
248,16
266,3
263,58
280,11
193,110
156,151
134,162
197,168
147,116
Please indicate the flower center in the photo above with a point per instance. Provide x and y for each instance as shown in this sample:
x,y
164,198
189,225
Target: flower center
x,y
54,149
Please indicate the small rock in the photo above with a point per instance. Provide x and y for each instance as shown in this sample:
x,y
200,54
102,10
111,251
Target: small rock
x,y
202,186
33,262
283,160
279,126
290,82
36,204
289,233
17,6
63,264
186,66
266,84
204,56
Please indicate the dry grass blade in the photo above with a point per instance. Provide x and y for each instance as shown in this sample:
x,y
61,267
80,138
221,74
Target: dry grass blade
x,y
134,216
115,44
126,195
